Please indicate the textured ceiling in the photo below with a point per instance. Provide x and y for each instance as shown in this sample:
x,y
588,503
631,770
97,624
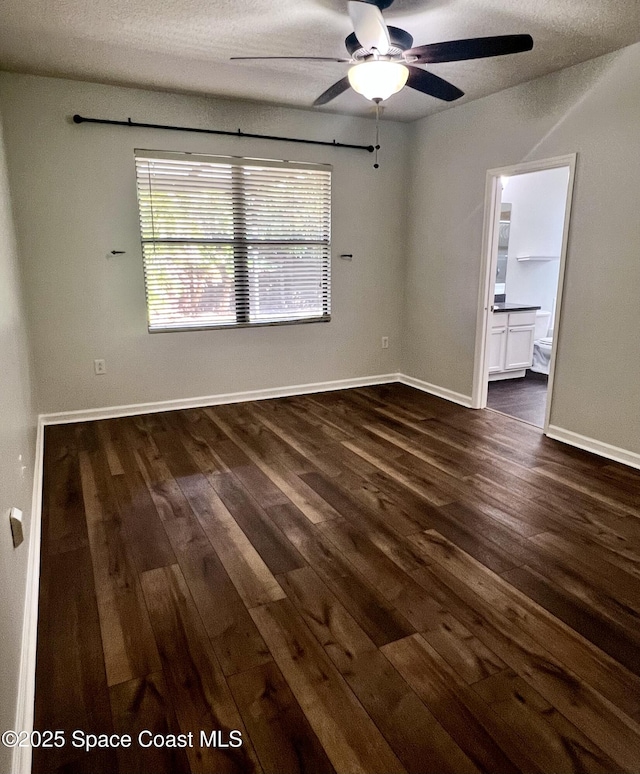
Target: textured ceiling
x,y
185,45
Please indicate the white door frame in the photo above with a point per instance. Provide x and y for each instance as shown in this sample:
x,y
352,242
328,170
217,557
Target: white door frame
x,y
493,198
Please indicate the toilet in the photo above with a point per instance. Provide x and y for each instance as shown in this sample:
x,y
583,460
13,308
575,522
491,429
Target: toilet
x,y
542,343
543,320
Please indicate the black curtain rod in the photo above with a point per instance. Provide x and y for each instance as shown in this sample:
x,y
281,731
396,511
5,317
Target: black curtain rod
x,y
77,119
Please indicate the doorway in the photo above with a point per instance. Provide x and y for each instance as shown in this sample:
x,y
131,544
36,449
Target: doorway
x,y
527,214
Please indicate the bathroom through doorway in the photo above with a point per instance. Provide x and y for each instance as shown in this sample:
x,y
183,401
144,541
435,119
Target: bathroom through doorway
x,y
526,235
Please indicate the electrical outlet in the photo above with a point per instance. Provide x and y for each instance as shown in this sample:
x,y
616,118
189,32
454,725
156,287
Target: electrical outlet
x,y
385,342
100,367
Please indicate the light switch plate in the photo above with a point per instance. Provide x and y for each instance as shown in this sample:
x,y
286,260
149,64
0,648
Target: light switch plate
x,y
15,518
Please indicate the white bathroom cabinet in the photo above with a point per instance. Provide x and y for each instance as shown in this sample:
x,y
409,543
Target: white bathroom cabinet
x,y
511,345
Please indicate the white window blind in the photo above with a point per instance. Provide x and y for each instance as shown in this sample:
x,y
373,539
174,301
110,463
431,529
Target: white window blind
x,y
233,242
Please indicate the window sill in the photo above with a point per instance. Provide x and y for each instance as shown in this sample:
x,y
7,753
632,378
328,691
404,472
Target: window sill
x,y
230,326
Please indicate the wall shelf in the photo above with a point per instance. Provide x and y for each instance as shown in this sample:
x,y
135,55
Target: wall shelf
x,y
537,258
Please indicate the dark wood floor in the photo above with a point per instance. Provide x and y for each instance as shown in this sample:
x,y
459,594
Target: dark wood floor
x,y
524,398
371,580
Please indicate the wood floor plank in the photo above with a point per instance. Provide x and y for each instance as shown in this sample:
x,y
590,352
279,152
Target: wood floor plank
x,y
397,548
379,619
399,396
604,673
403,510
250,476
611,730
380,496
580,616
593,566
364,507
71,682
344,424
552,513
235,639
524,398
199,692
330,622
144,704
471,723
600,491
525,523
365,556
403,475
113,460
607,606
419,741
398,402
306,438
273,466
129,647
325,430
250,575
559,745
496,536
469,531
66,520
197,440
535,517
617,549
564,493
243,424
412,442
274,548
347,733
216,454
282,735
466,654
147,540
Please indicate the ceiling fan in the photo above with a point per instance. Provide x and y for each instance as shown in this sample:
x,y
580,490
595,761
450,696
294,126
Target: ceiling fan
x,y
384,59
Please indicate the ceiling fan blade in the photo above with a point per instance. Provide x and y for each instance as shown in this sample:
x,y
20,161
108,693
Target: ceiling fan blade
x,y
472,48
369,26
332,92
431,84
305,58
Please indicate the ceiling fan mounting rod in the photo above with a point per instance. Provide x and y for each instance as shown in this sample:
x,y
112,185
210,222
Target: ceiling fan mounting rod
x,y
78,119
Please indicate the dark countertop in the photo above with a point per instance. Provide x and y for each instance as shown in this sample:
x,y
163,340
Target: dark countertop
x,y
504,307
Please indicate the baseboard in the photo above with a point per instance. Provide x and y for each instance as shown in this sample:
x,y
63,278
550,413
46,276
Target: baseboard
x,y
615,453
110,412
21,762
433,389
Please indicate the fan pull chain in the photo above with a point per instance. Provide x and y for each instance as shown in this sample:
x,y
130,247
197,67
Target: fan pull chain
x,y
377,145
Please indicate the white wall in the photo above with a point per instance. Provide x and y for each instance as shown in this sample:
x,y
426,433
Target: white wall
x,y
74,192
538,202
592,109
17,438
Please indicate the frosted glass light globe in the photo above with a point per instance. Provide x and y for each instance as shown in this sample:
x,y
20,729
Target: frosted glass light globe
x,y
379,79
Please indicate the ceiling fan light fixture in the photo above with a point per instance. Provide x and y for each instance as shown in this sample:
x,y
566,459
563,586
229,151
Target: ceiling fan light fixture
x,y
378,79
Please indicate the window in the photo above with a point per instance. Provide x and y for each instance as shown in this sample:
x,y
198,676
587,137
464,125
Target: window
x,y
230,242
